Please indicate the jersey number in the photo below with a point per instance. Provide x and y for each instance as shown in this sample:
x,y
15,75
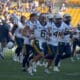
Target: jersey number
x,y
43,33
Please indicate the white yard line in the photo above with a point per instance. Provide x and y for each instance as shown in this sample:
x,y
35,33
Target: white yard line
x,y
73,74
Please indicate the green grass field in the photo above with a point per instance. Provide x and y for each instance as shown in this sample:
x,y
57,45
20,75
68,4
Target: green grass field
x,y
10,70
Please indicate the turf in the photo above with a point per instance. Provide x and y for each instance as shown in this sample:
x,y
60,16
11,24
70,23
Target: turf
x,y
10,70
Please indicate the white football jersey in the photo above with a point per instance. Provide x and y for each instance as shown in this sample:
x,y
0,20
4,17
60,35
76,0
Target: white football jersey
x,y
53,39
32,25
67,37
40,31
18,30
77,35
26,40
59,30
